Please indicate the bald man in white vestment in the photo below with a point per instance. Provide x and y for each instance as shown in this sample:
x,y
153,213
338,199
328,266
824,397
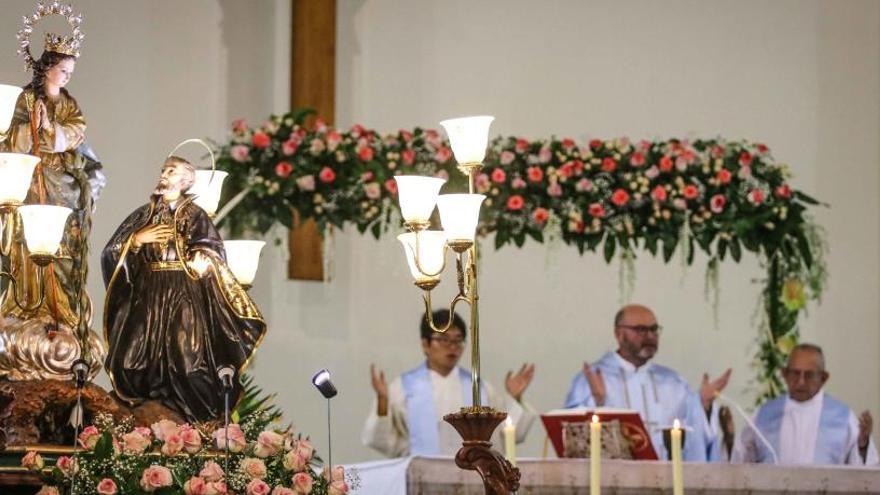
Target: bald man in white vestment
x,y
407,416
628,379
807,425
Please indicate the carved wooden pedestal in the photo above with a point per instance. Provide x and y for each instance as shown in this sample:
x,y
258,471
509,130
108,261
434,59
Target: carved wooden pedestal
x,y
476,425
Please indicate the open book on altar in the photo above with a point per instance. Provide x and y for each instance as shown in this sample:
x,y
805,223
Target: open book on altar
x,y
623,434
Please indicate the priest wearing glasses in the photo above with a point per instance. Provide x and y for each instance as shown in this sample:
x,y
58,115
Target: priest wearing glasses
x,y
628,379
407,416
807,425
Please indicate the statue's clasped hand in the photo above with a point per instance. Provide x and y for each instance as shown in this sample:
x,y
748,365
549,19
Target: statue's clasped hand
x,y
159,234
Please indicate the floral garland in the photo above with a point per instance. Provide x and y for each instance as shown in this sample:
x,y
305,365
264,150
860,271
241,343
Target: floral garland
x,y
172,459
613,196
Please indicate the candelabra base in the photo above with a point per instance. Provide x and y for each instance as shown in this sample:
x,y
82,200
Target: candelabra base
x,y
476,425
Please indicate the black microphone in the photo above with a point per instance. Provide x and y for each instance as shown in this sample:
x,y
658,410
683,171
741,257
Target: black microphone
x,y
225,374
80,370
322,382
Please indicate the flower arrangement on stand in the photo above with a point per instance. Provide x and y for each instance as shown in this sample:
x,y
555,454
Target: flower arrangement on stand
x,y
181,459
613,196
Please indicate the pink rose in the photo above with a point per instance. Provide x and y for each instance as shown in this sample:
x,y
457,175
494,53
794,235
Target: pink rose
x,y
67,465
756,196
192,439
690,191
289,147
518,183
554,190
334,138
718,151
540,215
338,487
155,477
406,135
306,183
327,175
744,172
609,165
745,159
32,461
239,126
507,157
316,146
443,155
295,461
236,439
365,153
570,168
173,445
283,169
391,186
442,174
595,144
357,130
521,146
48,490
302,483
432,137
261,140
106,487
535,174
257,487
584,185
783,191
498,176
637,159
481,182
567,144
144,432
408,156
280,490
596,210
253,468
652,172
164,427
89,437
212,471
545,155
717,203
515,202
338,473
659,193
620,197
195,486
134,442
723,176
216,488
762,148
372,190
666,164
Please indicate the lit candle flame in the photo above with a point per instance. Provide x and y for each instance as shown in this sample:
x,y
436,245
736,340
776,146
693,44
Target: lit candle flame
x,y
676,425
595,418
508,422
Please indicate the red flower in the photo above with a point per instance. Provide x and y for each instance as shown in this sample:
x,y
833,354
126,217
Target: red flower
x,y
283,169
724,176
498,176
783,191
540,215
568,144
391,186
596,210
239,126
333,139
745,159
408,156
522,146
637,159
515,202
595,144
609,165
406,136
357,130
443,155
620,197
756,196
718,151
289,147
261,140
690,191
666,163
535,174
326,175
762,148
659,193
716,204
365,153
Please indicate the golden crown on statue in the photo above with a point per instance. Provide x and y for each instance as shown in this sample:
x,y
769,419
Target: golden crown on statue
x,y
68,45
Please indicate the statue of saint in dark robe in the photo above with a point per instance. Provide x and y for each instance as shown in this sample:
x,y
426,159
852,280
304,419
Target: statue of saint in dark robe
x,y
174,312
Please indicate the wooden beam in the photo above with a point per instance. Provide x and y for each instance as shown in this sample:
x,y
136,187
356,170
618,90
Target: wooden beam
x,y
312,85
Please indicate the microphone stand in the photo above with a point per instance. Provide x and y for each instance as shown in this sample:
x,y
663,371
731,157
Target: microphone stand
x,y
329,447
80,380
226,389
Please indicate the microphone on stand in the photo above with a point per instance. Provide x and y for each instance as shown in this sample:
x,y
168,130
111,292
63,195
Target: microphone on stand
x,y
321,381
225,373
80,370
751,424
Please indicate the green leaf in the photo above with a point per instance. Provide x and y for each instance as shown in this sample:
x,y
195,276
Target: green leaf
x,y
519,239
536,235
610,246
376,230
501,238
807,199
669,244
651,245
735,250
104,447
804,248
722,248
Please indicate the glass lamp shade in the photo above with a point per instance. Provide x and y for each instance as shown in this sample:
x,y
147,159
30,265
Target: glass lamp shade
x,y
43,227
8,97
431,254
417,195
207,189
16,173
468,137
459,214
243,258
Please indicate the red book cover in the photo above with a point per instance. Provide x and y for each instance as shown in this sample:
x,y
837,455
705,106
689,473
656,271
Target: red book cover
x,y
631,427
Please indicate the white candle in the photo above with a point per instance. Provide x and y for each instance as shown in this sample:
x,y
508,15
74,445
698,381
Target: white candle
x,y
510,440
677,479
595,454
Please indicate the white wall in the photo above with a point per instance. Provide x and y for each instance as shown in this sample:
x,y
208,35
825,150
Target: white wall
x,y
799,76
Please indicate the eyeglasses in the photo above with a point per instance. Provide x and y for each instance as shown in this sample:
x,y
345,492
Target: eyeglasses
x,y
807,375
448,341
644,330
